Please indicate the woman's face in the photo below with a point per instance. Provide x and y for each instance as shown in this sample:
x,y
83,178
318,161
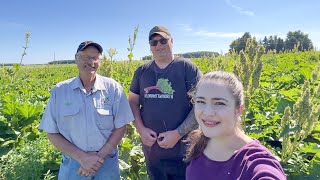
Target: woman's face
x,y
215,110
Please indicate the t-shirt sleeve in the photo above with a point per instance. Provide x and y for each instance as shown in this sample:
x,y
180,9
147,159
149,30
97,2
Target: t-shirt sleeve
x,y
122,112
266,169
193,75
134,87
48,122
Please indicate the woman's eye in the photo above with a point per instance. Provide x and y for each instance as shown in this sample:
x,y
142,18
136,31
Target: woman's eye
x,y
220,103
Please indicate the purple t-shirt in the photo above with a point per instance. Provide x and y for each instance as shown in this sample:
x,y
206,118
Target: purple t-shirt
x,y
252,161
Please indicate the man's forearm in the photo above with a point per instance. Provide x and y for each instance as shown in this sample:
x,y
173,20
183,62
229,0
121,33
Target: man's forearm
x,y
137,116
63,145
189,124
112,142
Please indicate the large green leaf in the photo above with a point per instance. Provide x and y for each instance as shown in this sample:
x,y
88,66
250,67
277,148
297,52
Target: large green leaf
x,y
315,167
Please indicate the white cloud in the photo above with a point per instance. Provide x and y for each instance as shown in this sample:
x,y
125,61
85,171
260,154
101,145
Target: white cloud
x,y
240,9
196,43
232,35
238,34
204,33
218,34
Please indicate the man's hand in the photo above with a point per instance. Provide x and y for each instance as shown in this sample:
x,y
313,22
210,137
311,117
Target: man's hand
x,y
90,164
168,139
84,172
148,136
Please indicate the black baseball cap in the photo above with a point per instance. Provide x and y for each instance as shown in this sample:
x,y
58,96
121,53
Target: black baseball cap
x,y
85,44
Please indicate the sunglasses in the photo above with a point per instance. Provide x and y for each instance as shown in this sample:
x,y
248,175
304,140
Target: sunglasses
x,y
155,42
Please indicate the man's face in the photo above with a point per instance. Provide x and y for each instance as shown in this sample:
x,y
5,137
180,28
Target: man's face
x,y
88,60
161,47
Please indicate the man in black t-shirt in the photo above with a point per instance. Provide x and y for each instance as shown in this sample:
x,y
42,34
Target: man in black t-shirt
x,y
161,106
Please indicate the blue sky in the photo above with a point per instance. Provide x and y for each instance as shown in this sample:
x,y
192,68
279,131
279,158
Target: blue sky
x,y
59,26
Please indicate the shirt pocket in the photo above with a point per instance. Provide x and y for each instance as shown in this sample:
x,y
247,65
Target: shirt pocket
x,y
70,113
70,118
105,118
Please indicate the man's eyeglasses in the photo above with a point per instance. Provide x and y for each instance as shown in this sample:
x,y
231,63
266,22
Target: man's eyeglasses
x,y
155,42
88,58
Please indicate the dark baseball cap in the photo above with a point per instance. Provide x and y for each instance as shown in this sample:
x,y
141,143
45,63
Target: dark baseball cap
x,y
161,30
85,44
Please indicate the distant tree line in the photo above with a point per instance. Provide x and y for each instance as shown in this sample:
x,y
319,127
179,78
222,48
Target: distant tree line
x,y
62,62
7,64
197,54
293,39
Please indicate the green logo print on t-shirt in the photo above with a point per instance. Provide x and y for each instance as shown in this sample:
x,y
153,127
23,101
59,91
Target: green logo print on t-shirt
x,y
164,86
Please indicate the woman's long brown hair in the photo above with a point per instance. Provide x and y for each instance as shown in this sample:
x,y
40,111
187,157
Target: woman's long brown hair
x,y
196,142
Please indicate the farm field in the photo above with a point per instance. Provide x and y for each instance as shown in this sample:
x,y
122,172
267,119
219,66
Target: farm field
x,y
281,80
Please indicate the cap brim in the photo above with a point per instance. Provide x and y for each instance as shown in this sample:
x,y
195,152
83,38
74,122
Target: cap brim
x,y
160,33
96,45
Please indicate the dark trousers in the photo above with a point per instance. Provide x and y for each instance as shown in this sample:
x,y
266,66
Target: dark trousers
x,y
165,164
167,170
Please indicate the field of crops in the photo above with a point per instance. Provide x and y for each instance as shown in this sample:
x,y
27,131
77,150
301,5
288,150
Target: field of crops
x,y
272,83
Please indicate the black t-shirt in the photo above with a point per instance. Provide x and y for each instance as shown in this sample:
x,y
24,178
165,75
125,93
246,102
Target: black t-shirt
x,y
163,93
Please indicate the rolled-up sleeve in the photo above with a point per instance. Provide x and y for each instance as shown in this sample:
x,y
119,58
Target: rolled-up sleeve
x,y
48,122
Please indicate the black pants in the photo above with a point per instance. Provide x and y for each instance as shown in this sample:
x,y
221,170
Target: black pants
x,y
167,170
165,164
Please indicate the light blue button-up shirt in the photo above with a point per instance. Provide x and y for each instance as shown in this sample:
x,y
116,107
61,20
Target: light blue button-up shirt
x,y
86,119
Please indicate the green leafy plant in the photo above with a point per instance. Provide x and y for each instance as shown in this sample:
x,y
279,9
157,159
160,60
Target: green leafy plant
x,y
112,52
132,43
31,161
281,82
298,123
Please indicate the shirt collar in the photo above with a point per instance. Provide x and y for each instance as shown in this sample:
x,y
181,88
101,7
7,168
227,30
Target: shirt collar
x,y
98,84
76,83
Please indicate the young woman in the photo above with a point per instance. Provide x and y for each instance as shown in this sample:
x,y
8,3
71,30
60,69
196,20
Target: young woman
x,y
220,149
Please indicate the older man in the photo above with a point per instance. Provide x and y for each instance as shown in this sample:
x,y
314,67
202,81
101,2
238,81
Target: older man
x,y
86,118
161,106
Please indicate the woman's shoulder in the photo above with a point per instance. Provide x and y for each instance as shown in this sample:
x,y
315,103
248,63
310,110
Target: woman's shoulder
x,y
253,149
259,161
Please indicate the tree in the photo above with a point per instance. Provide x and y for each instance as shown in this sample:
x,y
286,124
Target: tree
x,y
298,37
149,57
240,43
199,54
294,39
265,43
272,42
280,45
